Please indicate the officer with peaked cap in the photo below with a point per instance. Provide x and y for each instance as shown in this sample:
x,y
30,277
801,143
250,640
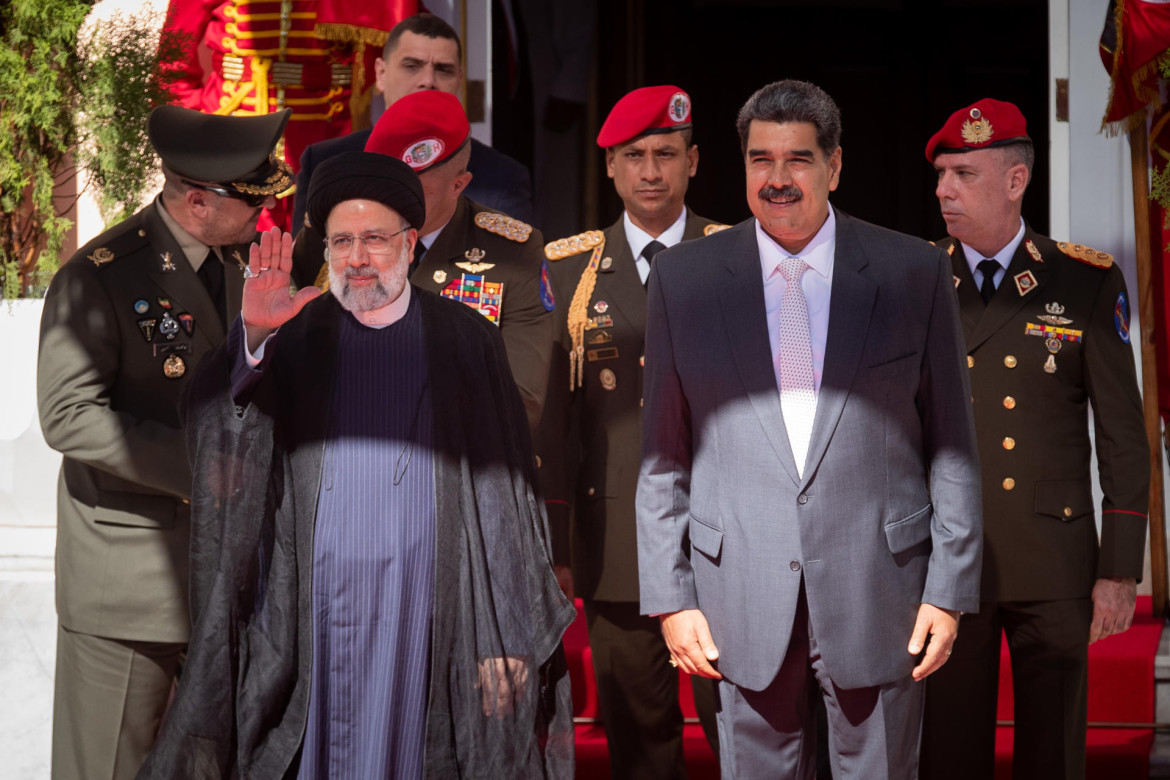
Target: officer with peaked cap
x,y
595,389
125,321
466,252
1047,330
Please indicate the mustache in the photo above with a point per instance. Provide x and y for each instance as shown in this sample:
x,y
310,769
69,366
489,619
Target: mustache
x,y
788,191
362,273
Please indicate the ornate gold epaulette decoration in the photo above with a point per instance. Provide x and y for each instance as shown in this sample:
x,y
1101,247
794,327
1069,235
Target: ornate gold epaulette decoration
x,y
503,225
712,229
573,245
578,314
1086,254
101,256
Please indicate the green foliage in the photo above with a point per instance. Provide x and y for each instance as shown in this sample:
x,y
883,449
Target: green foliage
x,y
1160,186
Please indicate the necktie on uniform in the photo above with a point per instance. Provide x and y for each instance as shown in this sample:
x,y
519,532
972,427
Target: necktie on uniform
x,y
211,275
648,252
988,268
419,250
798,400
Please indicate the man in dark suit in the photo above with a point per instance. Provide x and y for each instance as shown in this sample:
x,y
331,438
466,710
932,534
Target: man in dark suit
x,y
465,251
423,52
588,443
1047,334
808,502
126,320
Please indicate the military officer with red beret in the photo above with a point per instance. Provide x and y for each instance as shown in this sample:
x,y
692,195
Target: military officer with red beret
x,y
465,251
1047,331
590,438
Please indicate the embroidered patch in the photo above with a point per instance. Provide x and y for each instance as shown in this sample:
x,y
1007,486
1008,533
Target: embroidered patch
x,y
422,153
1121,317
1025,282
546,293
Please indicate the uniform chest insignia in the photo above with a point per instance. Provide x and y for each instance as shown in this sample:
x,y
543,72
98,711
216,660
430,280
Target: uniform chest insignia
x,y
141,306
602,321
1086,254
1048,332
601,307
169,326
711,230
473,264
240,260
573,245
188,323
440,276
168,265
472,289
600,337
977,129
1025,282
503,225
164,302
1033,252
1121,317
174,367
101,256
146,326
1053,317
547,299
957,280
606,264
951,250
608,379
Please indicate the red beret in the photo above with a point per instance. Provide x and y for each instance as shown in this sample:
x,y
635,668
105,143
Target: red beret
x,y
982,125
422,129
646,111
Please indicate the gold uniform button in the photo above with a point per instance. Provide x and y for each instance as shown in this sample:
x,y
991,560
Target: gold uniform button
x,y
1009,443
1009,484
1009,402
1068,511
590,491
1010,361
970,362
538,461
141,233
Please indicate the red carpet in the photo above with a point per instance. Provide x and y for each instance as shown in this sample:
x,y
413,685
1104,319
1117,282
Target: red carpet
x,y
1121,691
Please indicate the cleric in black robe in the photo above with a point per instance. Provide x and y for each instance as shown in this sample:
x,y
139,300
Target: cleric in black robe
x,y
371,592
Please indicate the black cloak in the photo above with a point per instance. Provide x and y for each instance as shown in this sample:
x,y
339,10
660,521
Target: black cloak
x,y
242,701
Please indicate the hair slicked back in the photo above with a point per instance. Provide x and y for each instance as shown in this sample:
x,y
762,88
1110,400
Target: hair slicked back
x,y
793,101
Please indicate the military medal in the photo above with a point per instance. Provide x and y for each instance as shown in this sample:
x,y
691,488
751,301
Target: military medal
x,y
1053,317
101,256
147,327
168,264
473,264
188,323
169,326
174,367
440,276
608,380
601,307
141,306
1025,282
1050,365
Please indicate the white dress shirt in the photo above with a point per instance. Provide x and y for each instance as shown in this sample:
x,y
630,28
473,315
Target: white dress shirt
x,y
638,238
817,284
1003,257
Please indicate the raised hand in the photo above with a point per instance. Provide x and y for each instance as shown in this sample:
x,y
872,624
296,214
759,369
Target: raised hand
x,y
267,302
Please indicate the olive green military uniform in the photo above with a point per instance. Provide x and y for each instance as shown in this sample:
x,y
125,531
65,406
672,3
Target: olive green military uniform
x,y
1053,342
589,445
126,321
478,255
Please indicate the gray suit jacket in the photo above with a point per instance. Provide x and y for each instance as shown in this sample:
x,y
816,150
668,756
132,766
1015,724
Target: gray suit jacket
x,y
887,514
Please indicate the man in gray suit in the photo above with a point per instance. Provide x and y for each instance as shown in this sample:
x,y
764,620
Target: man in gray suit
x,y
829,531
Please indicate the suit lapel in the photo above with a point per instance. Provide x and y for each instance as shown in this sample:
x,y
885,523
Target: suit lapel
x,y
182,286
850,304
745,314
1008,298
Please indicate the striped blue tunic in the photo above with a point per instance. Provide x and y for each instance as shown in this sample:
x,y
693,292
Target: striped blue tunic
x,y
373,561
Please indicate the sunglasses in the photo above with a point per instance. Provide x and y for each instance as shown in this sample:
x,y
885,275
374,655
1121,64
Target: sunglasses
x,y
252,200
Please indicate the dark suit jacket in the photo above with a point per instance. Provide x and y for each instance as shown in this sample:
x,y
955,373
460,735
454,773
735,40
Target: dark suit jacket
x,y
589,441
107,406
497,181
1040,538
886,514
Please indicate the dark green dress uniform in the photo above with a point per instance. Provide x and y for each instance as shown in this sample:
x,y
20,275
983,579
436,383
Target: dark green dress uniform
x,y
589,445
502,256
1053,342
126,321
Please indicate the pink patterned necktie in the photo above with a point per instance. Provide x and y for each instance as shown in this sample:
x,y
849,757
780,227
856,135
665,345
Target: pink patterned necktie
x,y
798,399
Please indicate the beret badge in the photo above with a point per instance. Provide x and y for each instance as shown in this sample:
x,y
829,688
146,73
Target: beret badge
x,y
680,107
420,155
977,130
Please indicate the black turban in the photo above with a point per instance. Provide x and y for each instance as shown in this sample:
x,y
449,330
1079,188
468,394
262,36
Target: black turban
x,y
366,176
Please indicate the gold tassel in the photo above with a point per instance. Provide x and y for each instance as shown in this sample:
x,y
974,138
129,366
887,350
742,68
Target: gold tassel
x,y
578,317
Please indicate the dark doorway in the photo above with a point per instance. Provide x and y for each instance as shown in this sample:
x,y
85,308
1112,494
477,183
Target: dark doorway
x,y
897,69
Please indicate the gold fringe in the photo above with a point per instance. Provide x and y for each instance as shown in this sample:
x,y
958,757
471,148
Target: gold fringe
x,y
578,317
350,33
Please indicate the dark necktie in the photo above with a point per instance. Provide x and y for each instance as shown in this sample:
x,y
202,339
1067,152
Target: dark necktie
x,y
211,274
419,250
648,252
988,268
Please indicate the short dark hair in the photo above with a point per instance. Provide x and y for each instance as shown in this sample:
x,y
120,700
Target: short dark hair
x,y
426,25
793,101
1021,152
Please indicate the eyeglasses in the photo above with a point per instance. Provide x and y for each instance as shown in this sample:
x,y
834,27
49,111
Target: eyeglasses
x,y
250,199
340,246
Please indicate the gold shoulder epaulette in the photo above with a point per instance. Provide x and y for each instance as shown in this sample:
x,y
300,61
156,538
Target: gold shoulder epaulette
x,y
714,228
503,225
1086,254
573,245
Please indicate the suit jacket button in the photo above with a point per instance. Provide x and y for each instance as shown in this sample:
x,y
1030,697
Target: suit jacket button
x,y
802,499
1009,484
1009,402
794,566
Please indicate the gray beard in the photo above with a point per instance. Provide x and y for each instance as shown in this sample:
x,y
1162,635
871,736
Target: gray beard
x,y
358,300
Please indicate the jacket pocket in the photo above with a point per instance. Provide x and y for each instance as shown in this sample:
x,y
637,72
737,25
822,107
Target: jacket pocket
x,y
706,539
891,368
1064,499
903,534
137,510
